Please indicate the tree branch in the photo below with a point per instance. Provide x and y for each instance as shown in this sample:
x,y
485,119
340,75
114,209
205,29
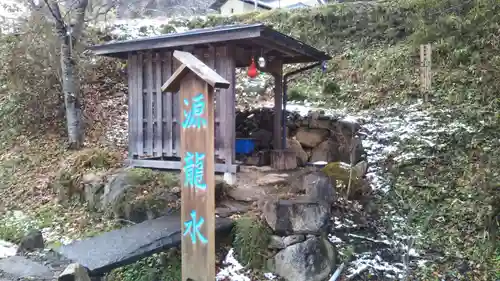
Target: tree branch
x,y
78,21
56,13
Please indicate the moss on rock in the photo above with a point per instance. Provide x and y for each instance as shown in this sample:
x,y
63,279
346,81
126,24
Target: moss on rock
x,y
149,194
68,180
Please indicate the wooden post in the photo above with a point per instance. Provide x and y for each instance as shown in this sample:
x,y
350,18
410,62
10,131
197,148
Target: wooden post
x,y
277,72
283,159
425,70
196,82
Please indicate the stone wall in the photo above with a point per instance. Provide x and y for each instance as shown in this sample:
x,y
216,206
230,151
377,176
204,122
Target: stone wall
x,y
315,137
299,246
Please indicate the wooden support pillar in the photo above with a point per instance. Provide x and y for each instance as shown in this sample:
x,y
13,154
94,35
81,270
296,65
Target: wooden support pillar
x,y
226,68
276,70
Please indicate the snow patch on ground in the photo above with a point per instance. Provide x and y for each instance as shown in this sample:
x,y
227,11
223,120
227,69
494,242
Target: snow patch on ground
x,y
232,270
22,223
7,249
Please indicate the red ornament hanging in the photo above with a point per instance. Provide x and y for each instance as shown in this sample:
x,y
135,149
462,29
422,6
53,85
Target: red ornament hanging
x,y
252,69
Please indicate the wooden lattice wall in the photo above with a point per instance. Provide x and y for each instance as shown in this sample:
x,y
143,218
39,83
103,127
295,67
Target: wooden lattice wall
x,y
154,129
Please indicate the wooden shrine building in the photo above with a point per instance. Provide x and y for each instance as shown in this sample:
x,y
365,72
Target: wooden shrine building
x,y
154,129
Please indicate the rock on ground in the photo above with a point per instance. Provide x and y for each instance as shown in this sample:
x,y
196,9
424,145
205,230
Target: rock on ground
x,y
31,241
311,137
74,272
319,187
300,216
311,260
17,267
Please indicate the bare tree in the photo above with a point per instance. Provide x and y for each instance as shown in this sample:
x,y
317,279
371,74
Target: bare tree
x,y
68,27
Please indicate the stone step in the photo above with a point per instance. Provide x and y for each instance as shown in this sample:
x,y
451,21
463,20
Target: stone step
x,y
110,250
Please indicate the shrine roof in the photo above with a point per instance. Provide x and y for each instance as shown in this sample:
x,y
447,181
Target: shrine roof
x,y
254,37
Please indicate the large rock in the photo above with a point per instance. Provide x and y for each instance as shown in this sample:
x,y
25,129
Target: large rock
x,y
295,146
31,241
361,168
311,260
300,216
319,187
115,187
93,184
327,151
315,120
139,197
74,272
276,242
341,172
293,239
311,137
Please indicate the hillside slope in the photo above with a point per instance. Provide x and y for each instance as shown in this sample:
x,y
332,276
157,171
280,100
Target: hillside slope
x,y
450,190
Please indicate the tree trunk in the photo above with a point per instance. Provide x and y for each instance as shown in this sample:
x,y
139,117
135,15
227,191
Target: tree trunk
x,y
69,33
71,97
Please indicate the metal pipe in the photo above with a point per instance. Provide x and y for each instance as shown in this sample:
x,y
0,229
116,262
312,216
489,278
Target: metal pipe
x,y
285,97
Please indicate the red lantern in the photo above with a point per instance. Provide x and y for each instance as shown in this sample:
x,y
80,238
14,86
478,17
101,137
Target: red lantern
x,y
252,69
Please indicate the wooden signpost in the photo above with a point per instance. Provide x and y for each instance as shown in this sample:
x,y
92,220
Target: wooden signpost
x,y
196,82
425,70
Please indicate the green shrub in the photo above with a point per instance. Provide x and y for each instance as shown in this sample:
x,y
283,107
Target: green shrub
x,y
251,238
14,225
156,267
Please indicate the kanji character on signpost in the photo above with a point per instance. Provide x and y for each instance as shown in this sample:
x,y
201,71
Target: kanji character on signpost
x,y
193,117
192,228
193,170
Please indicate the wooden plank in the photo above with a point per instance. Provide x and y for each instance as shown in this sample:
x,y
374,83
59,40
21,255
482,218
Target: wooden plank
x,y
198,172
278,105
148,101
176,165
232,105
139,104
158,136
220,53
226,67
176,115
198,68
167,106
208,57
132,100
173,83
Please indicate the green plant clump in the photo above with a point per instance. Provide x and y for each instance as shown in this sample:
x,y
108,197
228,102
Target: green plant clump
x,y
156,267
251,239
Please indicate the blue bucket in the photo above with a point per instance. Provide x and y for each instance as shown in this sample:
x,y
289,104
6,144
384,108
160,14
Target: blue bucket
x,y
245,146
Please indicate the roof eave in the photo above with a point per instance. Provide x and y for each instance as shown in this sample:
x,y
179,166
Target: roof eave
x,y
305,53
114,48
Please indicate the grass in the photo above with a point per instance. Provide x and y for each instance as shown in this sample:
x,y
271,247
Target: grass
x,y
251,238
157,267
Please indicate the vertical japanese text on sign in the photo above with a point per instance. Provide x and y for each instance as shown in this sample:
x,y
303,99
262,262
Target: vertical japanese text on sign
x,y
192,228
194,164
193,118
194,168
